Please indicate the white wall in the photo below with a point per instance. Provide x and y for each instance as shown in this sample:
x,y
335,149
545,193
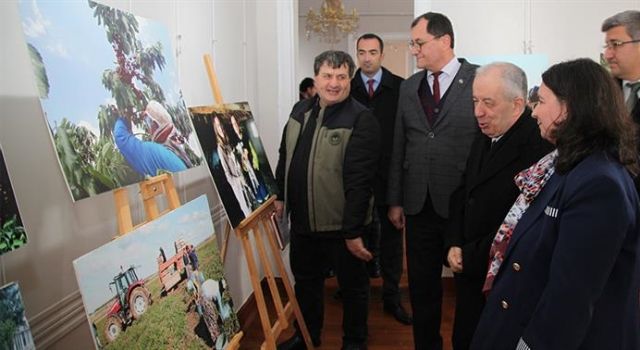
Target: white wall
x,y
250,42
561,29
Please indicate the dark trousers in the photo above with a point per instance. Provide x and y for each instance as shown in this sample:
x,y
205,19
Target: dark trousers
x,y
309,257
469,304
390,251
424,266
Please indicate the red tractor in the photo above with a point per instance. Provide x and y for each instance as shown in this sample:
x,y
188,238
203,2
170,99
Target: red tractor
x,y
131,301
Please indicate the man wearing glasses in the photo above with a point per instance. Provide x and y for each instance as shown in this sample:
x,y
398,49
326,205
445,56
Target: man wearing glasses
x,y
434,129
622,52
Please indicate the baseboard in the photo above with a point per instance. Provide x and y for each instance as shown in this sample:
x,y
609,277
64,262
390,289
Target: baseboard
x,y
56,321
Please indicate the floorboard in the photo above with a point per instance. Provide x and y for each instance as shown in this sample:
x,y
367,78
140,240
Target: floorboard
x,y
385,333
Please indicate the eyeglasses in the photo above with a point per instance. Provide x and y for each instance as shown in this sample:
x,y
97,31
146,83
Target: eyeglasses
x,y
615,44
417,45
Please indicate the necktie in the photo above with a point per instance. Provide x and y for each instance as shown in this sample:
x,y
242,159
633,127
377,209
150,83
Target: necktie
x,y
370,82
633,96
436,87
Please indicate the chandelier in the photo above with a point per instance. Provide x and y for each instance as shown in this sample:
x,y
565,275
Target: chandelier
x,y
331,23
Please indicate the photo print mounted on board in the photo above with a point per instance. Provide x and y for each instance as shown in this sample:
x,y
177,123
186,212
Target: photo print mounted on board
x,y
15,332
232,147
160,286
12,232
108,88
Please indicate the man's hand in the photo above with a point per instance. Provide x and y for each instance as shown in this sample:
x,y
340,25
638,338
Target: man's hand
x,y
279,208
396,216
356,247
454,257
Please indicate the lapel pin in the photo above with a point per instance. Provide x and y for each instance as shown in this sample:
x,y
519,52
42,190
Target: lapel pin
x,y
461,81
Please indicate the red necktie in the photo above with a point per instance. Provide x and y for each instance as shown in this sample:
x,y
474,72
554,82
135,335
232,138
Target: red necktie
x,y
370,82
436,87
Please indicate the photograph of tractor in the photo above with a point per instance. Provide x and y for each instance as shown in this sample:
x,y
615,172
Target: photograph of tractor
x,y
132,300
160,286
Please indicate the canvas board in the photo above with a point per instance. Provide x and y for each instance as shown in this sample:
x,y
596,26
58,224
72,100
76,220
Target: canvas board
x,y
236,157
108,88
12,232
15,332
160,286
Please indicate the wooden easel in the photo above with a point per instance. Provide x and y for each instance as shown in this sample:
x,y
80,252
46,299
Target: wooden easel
x,y
259,223
150,190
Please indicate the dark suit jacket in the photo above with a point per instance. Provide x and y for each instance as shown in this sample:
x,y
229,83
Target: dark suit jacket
x,y
488,190
384,105
431,158
635,114
576,282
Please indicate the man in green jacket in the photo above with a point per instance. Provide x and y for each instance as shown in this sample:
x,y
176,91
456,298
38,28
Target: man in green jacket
x,y
328,157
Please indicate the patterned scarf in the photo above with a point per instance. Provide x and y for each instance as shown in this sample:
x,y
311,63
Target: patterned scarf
x,y
530,182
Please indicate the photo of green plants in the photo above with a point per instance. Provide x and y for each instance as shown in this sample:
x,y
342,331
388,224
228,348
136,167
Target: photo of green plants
x,y
15,332
107,82
12,233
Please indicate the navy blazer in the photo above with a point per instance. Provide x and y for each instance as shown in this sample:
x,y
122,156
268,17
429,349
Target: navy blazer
x,y
571,278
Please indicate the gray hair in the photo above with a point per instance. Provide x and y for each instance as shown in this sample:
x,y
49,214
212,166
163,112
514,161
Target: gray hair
x,y
514,80
630,20
334,59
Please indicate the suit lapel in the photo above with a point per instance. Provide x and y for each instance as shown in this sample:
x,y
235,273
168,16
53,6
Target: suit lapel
x,y
416,99
534,211
500,159
479,150
357,85
457,87
508,149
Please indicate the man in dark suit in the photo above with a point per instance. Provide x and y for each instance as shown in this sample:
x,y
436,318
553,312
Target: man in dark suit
x,y
622,52
432,138
377,88
510,142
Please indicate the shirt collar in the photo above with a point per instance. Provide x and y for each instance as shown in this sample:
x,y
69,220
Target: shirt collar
x,y
377,77
451,68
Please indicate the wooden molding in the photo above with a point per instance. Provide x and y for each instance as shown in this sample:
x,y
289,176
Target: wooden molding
x,y
56,321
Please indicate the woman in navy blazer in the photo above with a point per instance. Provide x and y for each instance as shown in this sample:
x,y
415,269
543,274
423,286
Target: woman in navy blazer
x,y
564,271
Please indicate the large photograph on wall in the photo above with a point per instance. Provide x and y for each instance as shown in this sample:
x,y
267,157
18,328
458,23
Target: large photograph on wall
x,y
237,160
14,328
12,232
160,286
108,87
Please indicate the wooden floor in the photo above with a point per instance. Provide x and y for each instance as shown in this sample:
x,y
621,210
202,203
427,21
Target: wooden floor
x,y
385,333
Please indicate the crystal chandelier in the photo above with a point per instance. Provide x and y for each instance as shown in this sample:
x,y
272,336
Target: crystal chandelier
x,y
331,23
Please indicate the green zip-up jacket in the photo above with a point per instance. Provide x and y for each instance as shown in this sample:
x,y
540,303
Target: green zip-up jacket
x,y
341,165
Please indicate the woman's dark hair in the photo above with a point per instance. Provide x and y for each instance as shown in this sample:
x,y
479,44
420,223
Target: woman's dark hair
x,y
597,119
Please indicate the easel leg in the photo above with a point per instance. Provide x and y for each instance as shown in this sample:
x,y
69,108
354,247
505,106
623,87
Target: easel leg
x,y
225,242
269,342
287,285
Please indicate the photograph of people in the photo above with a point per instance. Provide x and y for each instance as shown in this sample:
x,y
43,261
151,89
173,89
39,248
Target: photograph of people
x,y
165,151
237,160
